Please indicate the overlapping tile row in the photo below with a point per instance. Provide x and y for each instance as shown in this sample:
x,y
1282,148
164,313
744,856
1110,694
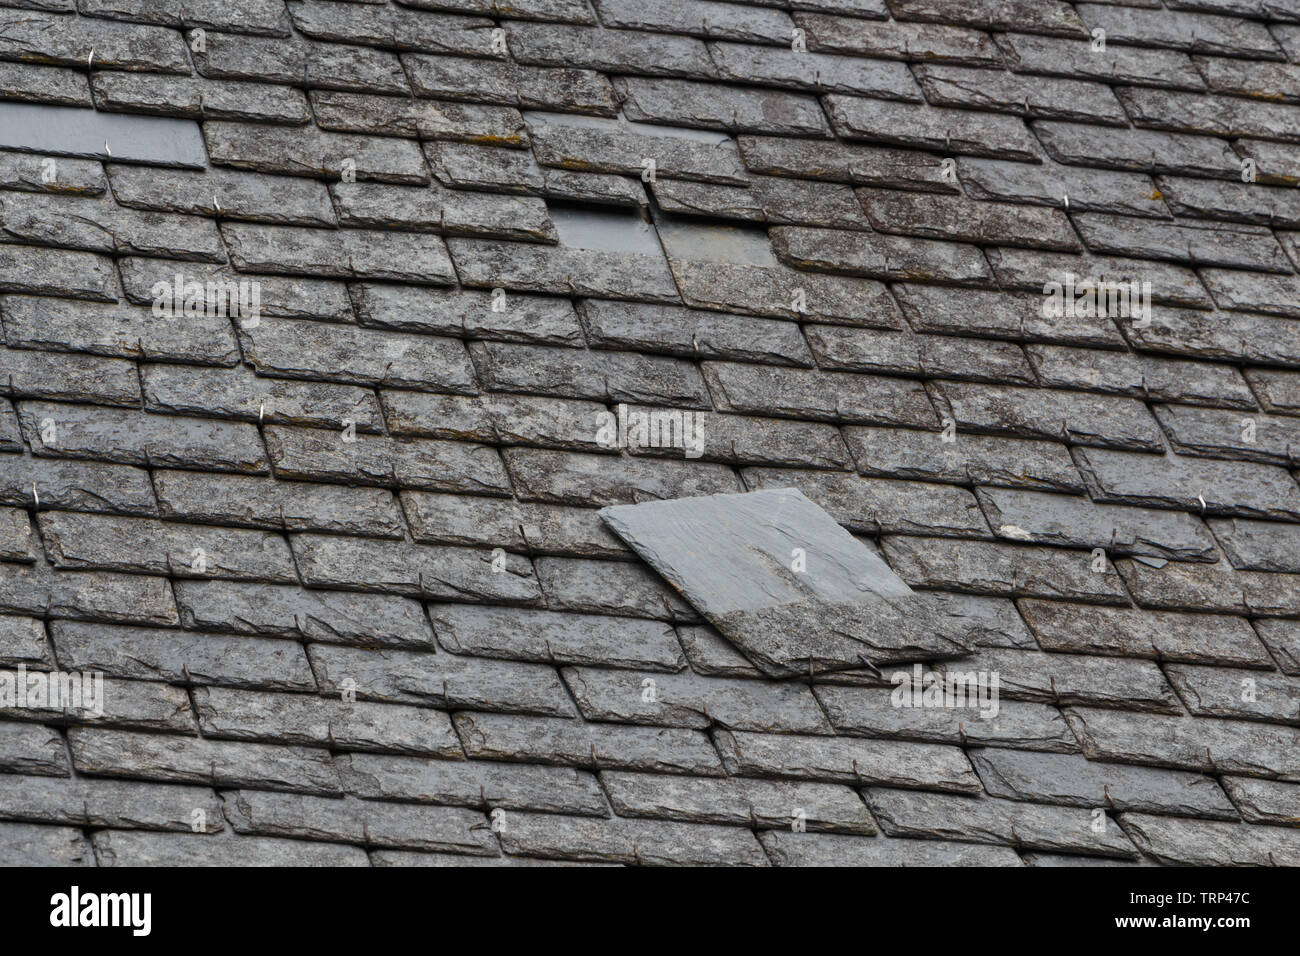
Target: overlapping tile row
x,y
340,565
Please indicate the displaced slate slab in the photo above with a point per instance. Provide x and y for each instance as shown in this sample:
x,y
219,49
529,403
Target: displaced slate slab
x,y
792,589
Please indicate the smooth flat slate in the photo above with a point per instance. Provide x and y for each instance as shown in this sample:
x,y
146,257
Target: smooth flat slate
x,y
89,134
779,578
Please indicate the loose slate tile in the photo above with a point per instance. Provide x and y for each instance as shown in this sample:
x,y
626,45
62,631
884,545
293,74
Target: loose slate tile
x,y
312,152
952,217
841,162
576,479
1074,780
880,256
771,624
1139,150
1242,247
229,193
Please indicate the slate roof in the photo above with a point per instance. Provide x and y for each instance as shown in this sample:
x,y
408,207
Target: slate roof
x,y
837,254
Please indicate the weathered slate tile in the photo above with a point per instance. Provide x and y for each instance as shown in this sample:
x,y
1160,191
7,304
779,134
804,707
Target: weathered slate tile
x,y
1251,78
94,595
998,315
1253,291
624,588
742,110
506,83
871,350
392,26
176,759
1072,522
1003,92
32,749
1238,488
472,783
618,840
344,254
1193,743
983,567
436,208
577,373
465,312
93,802
849,760
880,256
134,848
449,680
22,641
44,84
1264,801
34,270
1076,781
548,636
771,199
597,746
611,51
932,127
843,162
1139,150
939,216
1278,391
604,146
69,377
872,506
149,546
427,119
503,419
15,536
1275,162
898,40
700,18
1181,31
1232,201
693,333
1052,17
800,849
871,712
1136,66
156,95
1175,842
991,820
289,611
229,193
1220,587
410,858
45,846
711,654
147,653
25,172
1239,246
1220,692
283,505
362,822
580,479
69,40
471,520
309,151
768,804
686,700
530,267
1051,184
1282,638
138,438
987,460
309,720
816,72
1259,545
1169,283
827,396
1215,115
323,455
292,297
1163,635
1126,373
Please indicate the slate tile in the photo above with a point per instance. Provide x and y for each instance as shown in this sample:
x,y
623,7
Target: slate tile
x,y
591,745
1275,162
312,152
799,849
1002,92
1185,31
309,720
231,194
623,588
427,119
176,759
990,820
1282,638
643,842
68,41
93,802
1220,692
1241,246
1218,335
43,84
472,783
96,595
622,51
987,460
1196,383
1073,780
1231,202
466,312
1192,743
555,637
392,26
818,395
139,438
1278,391
693,333
1053,17
292,297
701,18
286,611
503,419
69,377
599,188
741,110
528,267
766,199
45,846
322,455
711,654
345,254
847,760
1259,545
605,146
1139,150
880,256
266,503
1137,66
933,127
841,347
416,858
1168,282
898,40
518,526
778,290
997,315
362,822
149,546
1041,518
952,217
1227,434
135,848
1079,418
574,373
77,177
15,536
1221,589
686,700
22,641
1051,184
1235,488
470,166
1264,801
578,479
1251,78
1253,291
34,270
874,506
767,804
449,680
982,567
506,83
1182,842
32,749
1163,635
178,657
819,72
156,95
1220,116
843,162
739,439
871,712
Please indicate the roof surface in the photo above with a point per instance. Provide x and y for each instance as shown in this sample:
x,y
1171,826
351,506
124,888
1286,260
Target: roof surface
x,y
342,568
